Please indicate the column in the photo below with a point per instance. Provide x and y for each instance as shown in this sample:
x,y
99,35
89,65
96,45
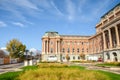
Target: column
x,y
110,37
47,47
104,40
56,47
44,46
117,36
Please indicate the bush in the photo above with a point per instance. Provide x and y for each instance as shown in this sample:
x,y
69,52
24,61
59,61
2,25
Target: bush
x,y
109,64
62,74
82,61
52,65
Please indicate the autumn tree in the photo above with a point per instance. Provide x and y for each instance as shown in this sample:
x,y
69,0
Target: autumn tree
x,y
67,57
82,56
16,48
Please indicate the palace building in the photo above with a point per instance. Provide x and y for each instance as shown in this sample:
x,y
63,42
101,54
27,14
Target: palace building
x,y
58,46
105,44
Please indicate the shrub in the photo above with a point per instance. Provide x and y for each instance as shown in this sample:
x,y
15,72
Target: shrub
x,y
52,65
109,64
62,74
82,61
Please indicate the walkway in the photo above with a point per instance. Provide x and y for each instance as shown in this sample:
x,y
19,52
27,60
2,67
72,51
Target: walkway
x,y
10,67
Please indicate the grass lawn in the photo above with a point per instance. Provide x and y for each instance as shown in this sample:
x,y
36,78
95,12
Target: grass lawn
x,y
112,76
53,71
110,64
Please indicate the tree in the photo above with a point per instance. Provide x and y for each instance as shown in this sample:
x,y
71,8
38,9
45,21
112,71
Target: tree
x,y
82,56
16,48
2,54
67,57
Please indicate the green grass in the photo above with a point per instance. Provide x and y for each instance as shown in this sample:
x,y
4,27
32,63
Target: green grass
x,y
78,67
30,68
14,75
110,64
59,72
10,76
112,76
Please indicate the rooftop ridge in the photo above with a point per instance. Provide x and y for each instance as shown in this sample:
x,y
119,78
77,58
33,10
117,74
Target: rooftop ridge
x,y
110,10
75,35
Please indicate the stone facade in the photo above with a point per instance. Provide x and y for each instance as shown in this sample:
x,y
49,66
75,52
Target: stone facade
x,y
105,44
55,45
107,36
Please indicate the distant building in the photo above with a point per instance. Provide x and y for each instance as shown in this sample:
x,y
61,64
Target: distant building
x,y
104,45
55,45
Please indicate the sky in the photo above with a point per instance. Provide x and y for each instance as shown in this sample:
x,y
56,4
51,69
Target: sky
x,y
28,20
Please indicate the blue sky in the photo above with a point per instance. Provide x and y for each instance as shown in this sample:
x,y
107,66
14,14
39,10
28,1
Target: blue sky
x,y
28,20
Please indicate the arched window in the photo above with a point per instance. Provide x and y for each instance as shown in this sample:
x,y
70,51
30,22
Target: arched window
x,y
73,57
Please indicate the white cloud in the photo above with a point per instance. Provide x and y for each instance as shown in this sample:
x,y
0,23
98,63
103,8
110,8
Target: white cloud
x,y
25,3
19,24
71,10
2,24
19,9
58,11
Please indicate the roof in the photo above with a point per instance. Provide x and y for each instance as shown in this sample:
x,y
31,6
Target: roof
x,y
110,10
73,36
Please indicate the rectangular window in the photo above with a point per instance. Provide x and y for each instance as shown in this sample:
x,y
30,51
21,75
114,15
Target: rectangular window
x,y
73,50
78,50
82,49
82,43
68,50
63,50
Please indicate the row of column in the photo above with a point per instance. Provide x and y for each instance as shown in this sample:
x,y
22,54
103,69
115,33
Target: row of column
x,y
110,38
46,47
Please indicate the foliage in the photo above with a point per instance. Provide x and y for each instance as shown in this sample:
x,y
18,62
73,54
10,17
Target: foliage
x,y
82,61
109,64
55,73
82,56
67,57
16,48
52,65
62,74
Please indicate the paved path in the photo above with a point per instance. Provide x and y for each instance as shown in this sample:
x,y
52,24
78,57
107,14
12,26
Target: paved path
x,y
10,67
91,66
